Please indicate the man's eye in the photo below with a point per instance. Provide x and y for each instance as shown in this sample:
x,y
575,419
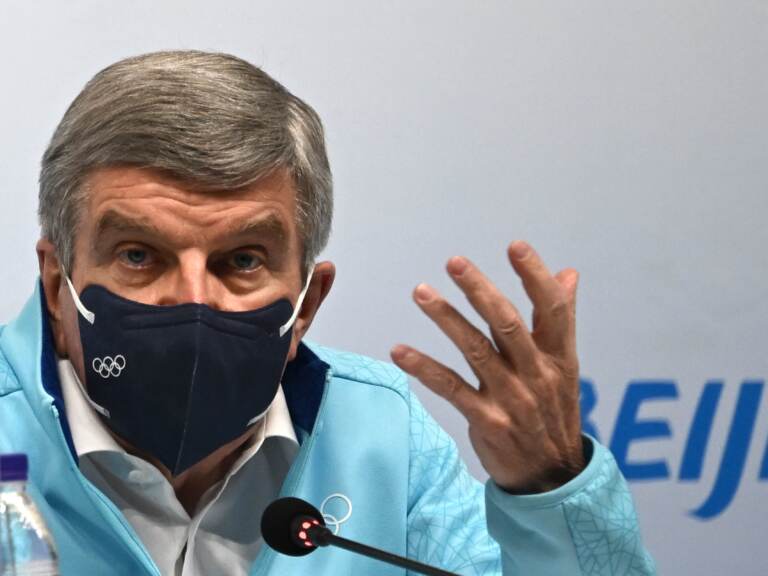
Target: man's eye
x,y
245,261
135,257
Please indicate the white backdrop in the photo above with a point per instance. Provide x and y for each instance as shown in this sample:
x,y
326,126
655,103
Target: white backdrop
x,y
626,139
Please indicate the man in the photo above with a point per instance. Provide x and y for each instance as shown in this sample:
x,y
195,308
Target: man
x,y
159,381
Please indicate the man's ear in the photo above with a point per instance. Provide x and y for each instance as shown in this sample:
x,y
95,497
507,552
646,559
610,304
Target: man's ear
x,y
52,280
321,283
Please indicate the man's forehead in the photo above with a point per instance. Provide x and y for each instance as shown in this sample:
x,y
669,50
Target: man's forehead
x,y
116,182
142,201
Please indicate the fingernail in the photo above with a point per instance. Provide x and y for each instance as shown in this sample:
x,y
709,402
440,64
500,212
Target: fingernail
x,y
457,265
424,293
519,250
399,352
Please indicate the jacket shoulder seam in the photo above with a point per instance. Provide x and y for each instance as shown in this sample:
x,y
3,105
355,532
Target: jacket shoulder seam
x,y
5,393
8,381
341,364
387,386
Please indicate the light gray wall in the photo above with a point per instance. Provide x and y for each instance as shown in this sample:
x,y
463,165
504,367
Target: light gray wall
x,y
625,139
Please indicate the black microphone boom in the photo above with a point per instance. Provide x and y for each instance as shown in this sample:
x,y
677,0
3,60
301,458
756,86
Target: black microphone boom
x,y
295,527
321,536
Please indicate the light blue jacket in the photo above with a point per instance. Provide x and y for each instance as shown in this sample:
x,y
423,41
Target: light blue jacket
x,y
363,435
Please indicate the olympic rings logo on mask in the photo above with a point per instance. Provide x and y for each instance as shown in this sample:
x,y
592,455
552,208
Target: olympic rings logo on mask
x,y
109,366
332,521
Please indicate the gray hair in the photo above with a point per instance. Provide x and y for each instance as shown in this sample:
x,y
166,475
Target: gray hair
x,y
211,120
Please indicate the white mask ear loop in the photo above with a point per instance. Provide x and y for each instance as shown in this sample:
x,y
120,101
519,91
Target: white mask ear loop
x,y
287,326
84,312
90,318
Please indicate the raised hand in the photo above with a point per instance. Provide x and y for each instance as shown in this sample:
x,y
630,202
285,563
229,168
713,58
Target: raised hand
x,y
523,416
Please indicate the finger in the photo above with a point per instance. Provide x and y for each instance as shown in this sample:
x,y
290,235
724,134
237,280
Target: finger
x,y
551,300
507,326
569,280
486,362
439,378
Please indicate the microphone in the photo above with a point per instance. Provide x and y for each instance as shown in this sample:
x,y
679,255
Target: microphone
x,y
294,527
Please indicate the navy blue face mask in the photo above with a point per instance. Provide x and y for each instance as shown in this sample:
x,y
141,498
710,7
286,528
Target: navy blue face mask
x,y
179,382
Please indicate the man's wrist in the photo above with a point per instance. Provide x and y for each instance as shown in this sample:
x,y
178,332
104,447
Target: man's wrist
x,y
558,476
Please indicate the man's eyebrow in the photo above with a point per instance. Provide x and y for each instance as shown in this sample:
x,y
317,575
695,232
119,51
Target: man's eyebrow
x,y
113,221
269,225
